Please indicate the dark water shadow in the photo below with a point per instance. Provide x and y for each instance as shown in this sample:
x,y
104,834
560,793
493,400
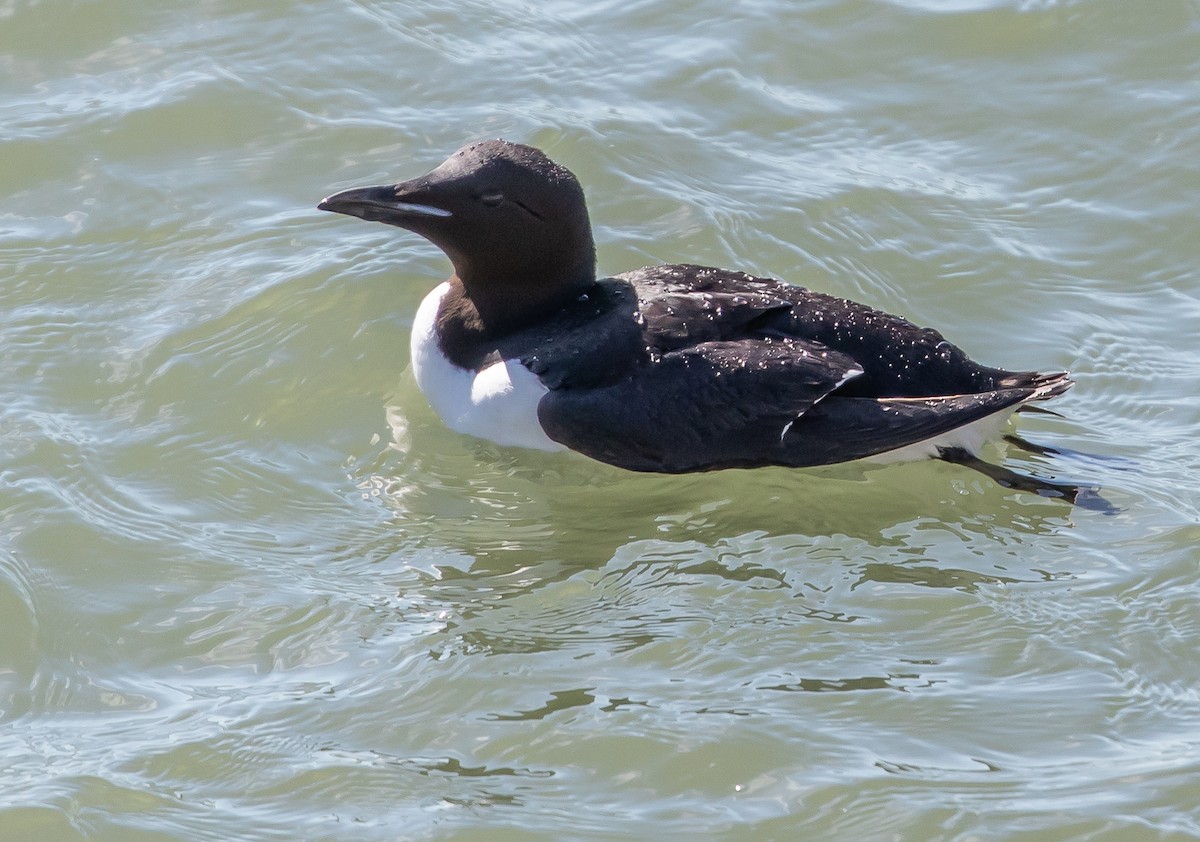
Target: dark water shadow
x,y
1084,496
497,508
492,536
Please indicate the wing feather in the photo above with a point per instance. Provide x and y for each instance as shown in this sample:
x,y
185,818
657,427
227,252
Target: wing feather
x,y
711,405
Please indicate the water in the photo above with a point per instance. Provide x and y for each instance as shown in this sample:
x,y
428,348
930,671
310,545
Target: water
x,y
250,588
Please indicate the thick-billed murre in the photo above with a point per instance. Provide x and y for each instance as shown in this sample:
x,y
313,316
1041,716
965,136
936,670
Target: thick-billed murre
x,y
671,368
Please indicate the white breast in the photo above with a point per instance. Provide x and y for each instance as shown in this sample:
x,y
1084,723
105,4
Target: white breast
x,y
498,403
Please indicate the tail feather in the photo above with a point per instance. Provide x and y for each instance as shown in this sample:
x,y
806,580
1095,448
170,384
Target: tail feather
x,y
1044,386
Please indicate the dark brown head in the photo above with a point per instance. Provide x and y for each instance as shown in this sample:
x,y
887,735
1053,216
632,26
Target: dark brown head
x,y
513,223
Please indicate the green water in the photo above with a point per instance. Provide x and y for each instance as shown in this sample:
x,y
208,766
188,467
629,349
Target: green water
x,y
250,588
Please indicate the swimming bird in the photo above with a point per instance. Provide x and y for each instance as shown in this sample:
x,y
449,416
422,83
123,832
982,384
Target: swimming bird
x,y
673,368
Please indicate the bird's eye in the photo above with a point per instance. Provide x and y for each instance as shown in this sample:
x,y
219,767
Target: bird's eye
x,y
492,198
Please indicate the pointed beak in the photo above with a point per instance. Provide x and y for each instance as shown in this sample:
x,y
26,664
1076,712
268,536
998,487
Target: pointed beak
x,y
381,204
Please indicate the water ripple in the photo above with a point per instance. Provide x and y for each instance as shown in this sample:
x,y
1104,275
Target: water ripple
x,y
251,587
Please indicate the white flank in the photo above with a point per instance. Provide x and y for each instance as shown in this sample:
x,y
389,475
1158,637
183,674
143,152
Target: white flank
x,y
498,403
970,437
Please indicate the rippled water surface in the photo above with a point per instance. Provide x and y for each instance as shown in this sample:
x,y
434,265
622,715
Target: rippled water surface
x,y
250,588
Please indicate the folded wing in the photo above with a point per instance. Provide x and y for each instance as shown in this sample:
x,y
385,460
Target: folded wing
x,y
732,405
